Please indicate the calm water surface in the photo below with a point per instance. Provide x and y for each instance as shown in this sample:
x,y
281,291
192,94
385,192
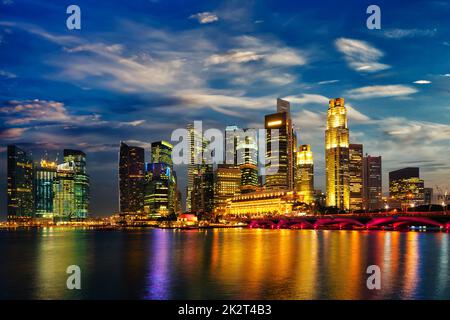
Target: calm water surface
x,y
223,264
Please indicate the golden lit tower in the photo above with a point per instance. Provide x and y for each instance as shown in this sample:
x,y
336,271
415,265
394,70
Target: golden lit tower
x,y
337,155
305,173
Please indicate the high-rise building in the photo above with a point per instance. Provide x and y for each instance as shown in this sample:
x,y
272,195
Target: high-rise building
x,y
337,156
45,174
162,152
406,187
428,196
279,148
372,178
356,176
20,184
304,182
157,190
202,199
231,141
71,187
197,145
131,179
64,192
161,182
227,184
247,151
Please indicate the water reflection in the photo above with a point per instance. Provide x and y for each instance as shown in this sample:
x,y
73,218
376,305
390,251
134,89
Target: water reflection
x,y
224,264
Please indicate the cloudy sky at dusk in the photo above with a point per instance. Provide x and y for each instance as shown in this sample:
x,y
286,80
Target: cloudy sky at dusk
x,y
139,69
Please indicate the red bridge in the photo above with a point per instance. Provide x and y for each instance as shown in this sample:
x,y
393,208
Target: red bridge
x,y
437,221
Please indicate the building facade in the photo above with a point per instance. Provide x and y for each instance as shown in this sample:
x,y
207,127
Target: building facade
x,y
131,179
337,156
406,188
356,176
44,176
304,182
227,184
247,151
20,200
372,183
279,167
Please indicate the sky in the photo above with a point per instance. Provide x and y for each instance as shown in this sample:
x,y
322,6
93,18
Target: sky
x,y
137,70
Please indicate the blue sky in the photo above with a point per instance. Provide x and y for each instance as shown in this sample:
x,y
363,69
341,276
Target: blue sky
x,y
137,70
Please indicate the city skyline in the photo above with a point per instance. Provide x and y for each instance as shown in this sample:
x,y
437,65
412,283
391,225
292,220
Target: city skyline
x,y
90,90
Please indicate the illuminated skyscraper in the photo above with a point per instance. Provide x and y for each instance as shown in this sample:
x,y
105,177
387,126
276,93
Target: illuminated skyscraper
x,y
356,176
405,187
231,141
160,187
247,151
64,192
131,179
157,188
161,152
20,184
45,174
71,187
227,185
279,161
203,191
337,155
372,183
196,147
305,173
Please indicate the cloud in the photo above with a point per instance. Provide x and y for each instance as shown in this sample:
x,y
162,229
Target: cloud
x,y
446,75
418,131
305,99
285,57
422,82
327,82
409,33
205,17
19,113
12,133
233,56
6,74
380,91
360,55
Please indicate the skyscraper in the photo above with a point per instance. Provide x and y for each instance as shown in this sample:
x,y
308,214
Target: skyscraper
x,y
20,184
157,188
247,151
406,187
231,141
280,161
227,184
131,179
202,199
72,187
160,185
356,176
45,174
337,155
372,183
197,146
304,182
64,206
162,152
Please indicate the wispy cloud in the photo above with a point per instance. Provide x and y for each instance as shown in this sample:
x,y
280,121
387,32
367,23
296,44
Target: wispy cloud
x,y
380,91
360,55
12,133
409,33
7,74
327,82
205,17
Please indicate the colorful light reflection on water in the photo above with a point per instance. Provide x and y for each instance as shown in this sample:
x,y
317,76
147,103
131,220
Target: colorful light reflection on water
x,y
223,264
